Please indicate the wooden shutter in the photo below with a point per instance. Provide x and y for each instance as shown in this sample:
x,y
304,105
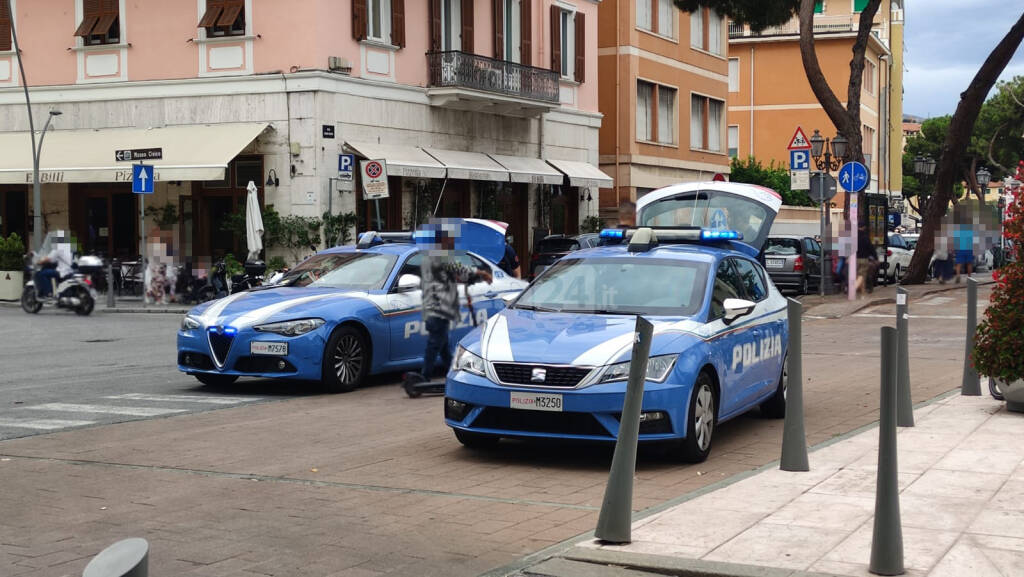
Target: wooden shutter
x,y
213,10
91,11
526,32
232,8
108,14
467,27
5,25
556,39
359,20
499,29
435,25
581,48
397,22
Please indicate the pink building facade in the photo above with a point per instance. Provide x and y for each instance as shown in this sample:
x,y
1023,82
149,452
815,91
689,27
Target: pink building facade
x,y
483,108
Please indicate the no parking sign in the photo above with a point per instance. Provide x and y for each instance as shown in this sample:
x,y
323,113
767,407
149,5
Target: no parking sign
x,y
375,179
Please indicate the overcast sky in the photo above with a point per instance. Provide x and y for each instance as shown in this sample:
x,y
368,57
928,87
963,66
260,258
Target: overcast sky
x,y
946,43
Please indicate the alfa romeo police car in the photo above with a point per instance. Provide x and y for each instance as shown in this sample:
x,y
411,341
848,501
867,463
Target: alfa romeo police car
x,y
554,363
342,314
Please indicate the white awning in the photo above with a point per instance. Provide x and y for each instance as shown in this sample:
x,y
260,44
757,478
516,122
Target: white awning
x,y
582,174
189,152
531,170
400,160
469,165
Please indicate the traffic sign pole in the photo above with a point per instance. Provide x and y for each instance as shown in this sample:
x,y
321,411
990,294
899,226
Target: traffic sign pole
x,y
851,262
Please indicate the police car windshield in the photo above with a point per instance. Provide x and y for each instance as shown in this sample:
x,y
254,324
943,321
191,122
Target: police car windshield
x,y
648,286
352,270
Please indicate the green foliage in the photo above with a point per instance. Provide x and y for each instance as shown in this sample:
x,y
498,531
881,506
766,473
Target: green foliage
x,y
759,14
999,341
927,144
12,252
276,263
165,216
774,177
232,266
1000,128
592,224
293,233
338,228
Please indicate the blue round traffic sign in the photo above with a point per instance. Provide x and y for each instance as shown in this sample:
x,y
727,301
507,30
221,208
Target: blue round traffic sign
x,y
853,177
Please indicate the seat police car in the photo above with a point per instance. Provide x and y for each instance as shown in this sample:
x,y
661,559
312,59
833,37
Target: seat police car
x,y
341,315
554,363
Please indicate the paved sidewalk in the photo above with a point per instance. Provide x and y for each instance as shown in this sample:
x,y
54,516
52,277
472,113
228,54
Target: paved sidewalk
x,y
961,477
839,306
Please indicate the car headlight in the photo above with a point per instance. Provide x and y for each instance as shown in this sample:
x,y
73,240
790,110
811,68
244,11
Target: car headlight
x,y
467,361
188,323
291,328
658,369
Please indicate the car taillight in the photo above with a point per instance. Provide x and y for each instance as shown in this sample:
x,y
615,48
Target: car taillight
x,y
798,264
888,252
87,280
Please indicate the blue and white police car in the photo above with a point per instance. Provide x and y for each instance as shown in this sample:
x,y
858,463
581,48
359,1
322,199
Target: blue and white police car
x,y
340,315
554,363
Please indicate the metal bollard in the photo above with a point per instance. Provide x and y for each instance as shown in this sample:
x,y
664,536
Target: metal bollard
x,y
904,403
110,285
126,558
971,385
616,517
794,441
887,538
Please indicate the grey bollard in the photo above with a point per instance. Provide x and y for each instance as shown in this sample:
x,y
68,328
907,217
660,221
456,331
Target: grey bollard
x,y
616,517
971,385
904,402
110,285
126,558
887,538
794,440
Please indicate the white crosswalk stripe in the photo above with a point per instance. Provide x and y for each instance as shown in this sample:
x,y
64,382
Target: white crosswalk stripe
x,y
106,409
42,424
185,398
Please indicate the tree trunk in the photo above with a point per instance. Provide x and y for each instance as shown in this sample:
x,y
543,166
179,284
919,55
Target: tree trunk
x,y
953,149
846,120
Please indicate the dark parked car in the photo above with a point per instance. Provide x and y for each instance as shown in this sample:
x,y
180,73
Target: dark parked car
x,y
555,246
793,262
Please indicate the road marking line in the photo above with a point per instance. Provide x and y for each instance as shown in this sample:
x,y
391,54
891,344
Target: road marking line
x,y
43,424
134,411
881,316
186,398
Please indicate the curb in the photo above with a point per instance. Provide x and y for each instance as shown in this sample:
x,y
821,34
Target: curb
x,y
589,562
890,300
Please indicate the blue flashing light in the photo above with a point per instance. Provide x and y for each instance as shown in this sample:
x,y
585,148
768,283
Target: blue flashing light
x,y
230,330
616,233
716,235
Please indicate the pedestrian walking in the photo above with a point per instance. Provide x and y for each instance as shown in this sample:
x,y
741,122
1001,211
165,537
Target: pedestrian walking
x,y
963,235
440,275
866,259
510,262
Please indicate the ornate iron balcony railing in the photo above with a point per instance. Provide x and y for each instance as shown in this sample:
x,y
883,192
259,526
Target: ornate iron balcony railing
x,y
461,70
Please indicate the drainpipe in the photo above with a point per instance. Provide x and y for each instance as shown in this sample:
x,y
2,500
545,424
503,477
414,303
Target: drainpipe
x,y
751,88
618,115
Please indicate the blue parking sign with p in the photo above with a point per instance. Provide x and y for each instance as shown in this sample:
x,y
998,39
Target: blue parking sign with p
x,y
346,166
799,159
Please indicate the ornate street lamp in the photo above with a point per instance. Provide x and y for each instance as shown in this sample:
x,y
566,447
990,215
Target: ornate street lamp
x,y
984,177
828,157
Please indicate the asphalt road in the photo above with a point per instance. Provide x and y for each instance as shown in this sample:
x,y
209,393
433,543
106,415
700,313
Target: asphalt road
x,y
288,481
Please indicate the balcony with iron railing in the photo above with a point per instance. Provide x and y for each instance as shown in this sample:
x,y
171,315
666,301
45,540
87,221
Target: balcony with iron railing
x,y
461,78
822,25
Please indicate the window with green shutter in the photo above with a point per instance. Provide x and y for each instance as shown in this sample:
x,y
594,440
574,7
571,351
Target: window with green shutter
x,y
819,6
859,5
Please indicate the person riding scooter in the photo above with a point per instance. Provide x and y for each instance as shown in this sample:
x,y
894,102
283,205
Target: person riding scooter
x,y
53,266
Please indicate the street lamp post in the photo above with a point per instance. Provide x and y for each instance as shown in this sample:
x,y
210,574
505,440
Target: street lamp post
x,y
37,206
828,157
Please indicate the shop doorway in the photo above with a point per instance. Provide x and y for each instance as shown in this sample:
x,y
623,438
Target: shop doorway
x,y
384,214
212,210
14,213
565,208
509,202
104,219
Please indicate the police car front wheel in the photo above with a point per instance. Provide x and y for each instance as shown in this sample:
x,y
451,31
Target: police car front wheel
x,y
346,361
700,425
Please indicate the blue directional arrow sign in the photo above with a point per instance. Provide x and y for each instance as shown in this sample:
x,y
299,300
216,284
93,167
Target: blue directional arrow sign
x,y
142,179
853,177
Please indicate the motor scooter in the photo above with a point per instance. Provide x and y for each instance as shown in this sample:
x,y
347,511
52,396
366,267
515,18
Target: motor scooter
x,y
74,291
253,277
216,283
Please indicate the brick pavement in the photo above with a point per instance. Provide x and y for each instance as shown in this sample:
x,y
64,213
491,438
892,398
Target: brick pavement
x,y
372,483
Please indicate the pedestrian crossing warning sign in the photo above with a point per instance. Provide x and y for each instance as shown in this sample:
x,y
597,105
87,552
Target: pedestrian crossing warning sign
x,y
799,140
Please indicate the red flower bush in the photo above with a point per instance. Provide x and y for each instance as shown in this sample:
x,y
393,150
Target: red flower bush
x,y
999,341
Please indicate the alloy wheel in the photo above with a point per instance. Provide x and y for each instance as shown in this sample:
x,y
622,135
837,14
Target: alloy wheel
x,y
348,359
704,417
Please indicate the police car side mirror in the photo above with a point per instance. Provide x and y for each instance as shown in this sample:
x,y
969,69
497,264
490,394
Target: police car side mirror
x,y
509,298
408,282
736,308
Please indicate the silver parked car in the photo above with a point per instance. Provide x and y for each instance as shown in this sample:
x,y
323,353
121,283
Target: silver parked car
x,y
793,262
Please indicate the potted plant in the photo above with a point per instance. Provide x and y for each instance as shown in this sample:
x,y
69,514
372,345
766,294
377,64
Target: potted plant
x,y
999,341
12,267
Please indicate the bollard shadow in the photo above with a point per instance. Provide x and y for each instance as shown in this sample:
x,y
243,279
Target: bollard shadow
x,y
284,388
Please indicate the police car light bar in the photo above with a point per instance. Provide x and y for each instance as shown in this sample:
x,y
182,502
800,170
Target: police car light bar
x,y
668,235
613,233
372,238
716,235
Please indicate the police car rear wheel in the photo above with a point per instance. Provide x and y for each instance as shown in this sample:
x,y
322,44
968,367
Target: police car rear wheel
x,y
345,361
215,380
701,425
475,440
775,407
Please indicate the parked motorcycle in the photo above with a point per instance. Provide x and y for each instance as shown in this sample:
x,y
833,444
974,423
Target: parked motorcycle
x,y
74,291
253,277
216,283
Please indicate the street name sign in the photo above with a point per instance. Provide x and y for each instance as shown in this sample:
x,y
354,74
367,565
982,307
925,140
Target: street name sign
x,y
138,154
853,177
142,178
375,179
799,140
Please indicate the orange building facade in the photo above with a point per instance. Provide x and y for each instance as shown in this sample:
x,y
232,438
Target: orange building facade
x,y
769,95
663,77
